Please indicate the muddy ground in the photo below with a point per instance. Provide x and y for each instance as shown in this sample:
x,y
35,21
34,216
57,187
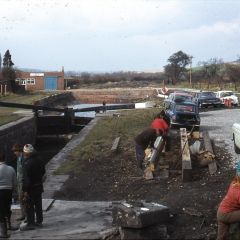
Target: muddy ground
x,y
193,205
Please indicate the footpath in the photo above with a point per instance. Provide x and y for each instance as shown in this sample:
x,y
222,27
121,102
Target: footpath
x,y
68,219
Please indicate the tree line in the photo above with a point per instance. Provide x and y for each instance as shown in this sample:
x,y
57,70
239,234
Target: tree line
x,y
213,71
178,70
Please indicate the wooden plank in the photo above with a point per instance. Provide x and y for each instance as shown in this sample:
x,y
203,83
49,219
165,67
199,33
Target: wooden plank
x,y
212,165
207,142
185,154
115,144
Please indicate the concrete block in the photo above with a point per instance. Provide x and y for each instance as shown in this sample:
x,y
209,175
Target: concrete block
x,y
139,214
148,233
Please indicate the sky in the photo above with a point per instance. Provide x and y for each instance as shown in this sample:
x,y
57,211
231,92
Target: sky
x,y
117,35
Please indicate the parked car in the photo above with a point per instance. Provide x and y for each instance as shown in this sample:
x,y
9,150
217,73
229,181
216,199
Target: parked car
x,y
230,95
206,99
236,137
183,114
178,97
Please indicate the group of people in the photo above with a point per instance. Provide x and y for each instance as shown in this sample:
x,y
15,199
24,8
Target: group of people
x,y
159,127
24,184
229,208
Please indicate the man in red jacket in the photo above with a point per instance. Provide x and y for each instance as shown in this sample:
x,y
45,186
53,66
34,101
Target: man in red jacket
x,y
229,208
161,124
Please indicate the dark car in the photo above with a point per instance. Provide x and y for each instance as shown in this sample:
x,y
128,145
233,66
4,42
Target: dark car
x,y
178,97
183,114
206,99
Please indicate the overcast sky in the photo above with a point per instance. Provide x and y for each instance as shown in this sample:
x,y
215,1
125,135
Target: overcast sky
x,y
115,35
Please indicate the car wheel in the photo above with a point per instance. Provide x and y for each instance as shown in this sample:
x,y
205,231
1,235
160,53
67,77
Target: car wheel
x,y
236,148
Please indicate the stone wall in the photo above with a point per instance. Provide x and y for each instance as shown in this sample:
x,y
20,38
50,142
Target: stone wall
x,y
21,131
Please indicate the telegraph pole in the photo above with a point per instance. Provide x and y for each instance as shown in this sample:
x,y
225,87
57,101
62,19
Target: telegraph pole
x,y
190,71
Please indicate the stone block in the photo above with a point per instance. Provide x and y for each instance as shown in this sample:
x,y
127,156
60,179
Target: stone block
x,y
139,214
148,233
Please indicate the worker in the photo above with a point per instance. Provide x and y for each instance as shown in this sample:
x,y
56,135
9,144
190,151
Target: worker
x,y
18,151
229,208
163,115
142,141
32,187
8,189
161,123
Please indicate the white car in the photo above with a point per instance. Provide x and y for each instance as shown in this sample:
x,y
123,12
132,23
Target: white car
x,y
230,95
236,137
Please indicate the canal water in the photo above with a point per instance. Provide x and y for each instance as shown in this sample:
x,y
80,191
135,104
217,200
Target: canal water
x,y
48,146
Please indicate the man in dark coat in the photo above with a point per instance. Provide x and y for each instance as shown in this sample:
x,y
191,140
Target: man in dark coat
x,y
32,186
142,141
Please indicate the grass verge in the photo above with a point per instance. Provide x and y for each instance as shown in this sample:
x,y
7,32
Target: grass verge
x,y
100,139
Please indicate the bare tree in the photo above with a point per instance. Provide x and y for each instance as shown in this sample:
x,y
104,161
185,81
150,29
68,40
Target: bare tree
x,y
233,71
212,71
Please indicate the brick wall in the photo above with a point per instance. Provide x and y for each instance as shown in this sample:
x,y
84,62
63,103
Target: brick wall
x,y
39,80
21,131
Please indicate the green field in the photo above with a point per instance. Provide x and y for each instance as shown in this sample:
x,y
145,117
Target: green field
x,y
100,139
7,114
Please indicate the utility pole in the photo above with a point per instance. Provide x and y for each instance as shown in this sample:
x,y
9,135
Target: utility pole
x,y
190,71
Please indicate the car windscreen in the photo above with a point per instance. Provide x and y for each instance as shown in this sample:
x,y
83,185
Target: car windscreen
x,y
179,98
207,95
184,108
227,94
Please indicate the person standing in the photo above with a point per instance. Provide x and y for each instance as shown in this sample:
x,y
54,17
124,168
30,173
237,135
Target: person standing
x,y
33,172
18,151
229,208
104,106
8,188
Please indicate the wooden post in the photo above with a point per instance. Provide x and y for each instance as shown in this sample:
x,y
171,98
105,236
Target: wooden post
x,y
186,158
115,144
212,166
69,117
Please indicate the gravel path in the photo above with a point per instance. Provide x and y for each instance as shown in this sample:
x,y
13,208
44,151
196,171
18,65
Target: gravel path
x,y
219,124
